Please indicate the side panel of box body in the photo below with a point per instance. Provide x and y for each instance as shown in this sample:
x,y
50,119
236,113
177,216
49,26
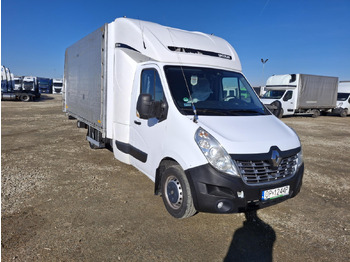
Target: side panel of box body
x,y
85,81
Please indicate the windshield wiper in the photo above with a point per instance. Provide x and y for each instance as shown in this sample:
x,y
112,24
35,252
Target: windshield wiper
x,y
213,111
207,111
221,112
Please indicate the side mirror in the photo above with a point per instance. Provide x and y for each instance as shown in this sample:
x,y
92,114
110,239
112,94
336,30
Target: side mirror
x,y
144,106
147,108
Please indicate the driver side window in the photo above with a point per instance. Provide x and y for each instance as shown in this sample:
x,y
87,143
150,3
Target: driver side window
x,y
288,96
151,84
233,88
230,87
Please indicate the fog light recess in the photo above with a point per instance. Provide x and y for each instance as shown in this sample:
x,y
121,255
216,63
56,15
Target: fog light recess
x,y
224,206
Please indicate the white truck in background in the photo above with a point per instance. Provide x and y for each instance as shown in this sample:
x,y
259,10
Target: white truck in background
x,y
57,84
343,100
7,81
9,90
301,94
18,83
175,105
30,83
4,79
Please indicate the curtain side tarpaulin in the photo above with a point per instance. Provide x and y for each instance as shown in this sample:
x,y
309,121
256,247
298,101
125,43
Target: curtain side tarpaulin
x,y
317,91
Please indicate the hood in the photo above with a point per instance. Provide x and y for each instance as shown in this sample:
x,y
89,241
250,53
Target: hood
x,y
267,100
344,104
250,134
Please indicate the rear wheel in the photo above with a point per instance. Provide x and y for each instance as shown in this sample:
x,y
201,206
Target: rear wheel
x,y
176,193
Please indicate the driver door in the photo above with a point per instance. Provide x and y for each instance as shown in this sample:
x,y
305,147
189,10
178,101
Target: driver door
x,y
147,135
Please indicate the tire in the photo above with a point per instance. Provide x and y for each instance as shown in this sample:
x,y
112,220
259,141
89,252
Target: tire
x,y
176,193
25,98
343,113
277,109
316,113
281,114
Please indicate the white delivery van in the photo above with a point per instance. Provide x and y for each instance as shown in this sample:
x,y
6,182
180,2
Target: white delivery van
x,y
343,100
301,93
175,105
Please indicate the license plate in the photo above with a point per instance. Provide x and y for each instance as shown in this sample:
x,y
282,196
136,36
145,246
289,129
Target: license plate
x,y
275,193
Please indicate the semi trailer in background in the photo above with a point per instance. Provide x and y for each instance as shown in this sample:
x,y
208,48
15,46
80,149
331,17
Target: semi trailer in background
x,y
301,94
176,105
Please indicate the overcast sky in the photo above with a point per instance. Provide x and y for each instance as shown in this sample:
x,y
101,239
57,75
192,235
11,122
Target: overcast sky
x,y
297,36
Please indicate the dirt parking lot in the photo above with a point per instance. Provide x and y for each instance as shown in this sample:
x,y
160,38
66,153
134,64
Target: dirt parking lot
x,y
62,201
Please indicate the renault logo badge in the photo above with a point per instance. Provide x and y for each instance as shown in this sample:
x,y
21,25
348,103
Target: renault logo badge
x,y
276,159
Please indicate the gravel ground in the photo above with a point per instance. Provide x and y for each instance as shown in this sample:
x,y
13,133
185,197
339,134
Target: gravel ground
x,y
62,201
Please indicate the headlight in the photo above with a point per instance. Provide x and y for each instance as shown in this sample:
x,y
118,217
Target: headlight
x,y
340,104
215,153
300,159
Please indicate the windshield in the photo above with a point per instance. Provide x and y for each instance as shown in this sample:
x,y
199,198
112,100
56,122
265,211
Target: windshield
x,y
342,96
212,92
28,85
3,86
274,94
57,84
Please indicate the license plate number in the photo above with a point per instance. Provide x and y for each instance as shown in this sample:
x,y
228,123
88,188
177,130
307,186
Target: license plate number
x,y
275,193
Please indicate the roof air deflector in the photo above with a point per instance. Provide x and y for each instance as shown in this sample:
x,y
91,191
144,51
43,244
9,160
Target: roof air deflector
x,y
199,52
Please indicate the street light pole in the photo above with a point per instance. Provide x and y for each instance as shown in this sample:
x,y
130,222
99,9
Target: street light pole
x,y
264,62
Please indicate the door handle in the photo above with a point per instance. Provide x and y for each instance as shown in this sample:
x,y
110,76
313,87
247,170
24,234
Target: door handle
x,y
137,122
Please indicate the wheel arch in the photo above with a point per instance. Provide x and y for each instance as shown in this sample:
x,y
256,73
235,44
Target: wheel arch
x,y
164,163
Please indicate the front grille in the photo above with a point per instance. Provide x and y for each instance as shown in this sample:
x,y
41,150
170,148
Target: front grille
x,y
261,171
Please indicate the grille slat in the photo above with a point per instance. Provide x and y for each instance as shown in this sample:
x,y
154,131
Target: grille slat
x,y
260,171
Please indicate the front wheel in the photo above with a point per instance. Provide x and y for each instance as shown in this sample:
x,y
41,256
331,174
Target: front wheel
x,y
280,114
316,113
25,98
176,193
343,113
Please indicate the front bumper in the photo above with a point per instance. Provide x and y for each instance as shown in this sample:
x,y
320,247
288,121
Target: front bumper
x,y
216,192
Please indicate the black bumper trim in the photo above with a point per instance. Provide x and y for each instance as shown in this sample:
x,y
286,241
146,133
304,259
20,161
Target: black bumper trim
x,y
216,192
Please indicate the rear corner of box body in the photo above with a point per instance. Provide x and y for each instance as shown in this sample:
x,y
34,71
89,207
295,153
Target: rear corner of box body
x,y
85,79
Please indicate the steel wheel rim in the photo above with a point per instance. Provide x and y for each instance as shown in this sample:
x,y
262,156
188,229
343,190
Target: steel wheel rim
x,y
174,192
